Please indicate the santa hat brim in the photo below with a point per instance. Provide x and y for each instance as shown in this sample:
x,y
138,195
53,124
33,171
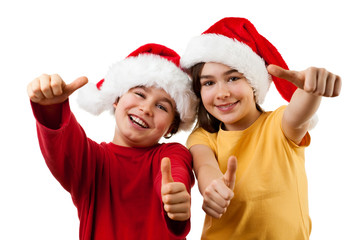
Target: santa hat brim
x,y
235,54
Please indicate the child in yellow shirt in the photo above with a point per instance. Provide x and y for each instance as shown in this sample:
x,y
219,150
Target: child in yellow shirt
x,y
249,163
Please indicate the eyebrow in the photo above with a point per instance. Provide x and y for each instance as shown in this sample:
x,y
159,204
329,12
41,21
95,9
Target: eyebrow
x,y
163,99
224,74
231,71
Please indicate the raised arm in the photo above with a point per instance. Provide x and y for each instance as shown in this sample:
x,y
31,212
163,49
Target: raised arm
x,y
313,84
215,187
62,141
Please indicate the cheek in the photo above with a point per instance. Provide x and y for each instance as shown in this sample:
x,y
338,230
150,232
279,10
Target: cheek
x,y
243,90
164,122
206,96
120,109
126,102
250,94
118,114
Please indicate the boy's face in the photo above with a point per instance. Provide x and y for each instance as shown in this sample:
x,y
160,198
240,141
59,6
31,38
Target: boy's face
x,y
143,115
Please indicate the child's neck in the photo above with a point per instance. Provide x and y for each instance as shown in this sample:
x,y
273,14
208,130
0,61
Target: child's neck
x,y
244,123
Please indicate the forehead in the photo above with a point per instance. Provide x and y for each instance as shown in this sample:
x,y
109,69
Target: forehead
x,y
214,67
159,93
217,65
211,69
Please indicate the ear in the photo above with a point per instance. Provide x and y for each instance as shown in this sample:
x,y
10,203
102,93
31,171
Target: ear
x,y
169,132
116,102
167,135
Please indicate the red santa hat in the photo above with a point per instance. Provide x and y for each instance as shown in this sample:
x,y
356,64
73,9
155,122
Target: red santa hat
x,y
236,43
150,65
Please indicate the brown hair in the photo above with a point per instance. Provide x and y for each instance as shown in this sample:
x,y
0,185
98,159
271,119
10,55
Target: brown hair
x,y
174,125
205,119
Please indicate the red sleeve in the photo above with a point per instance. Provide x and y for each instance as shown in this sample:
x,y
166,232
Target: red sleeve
x,y
66,149
181,164
181,171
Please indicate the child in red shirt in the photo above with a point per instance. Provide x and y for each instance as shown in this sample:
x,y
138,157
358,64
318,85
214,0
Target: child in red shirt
x,y
128,188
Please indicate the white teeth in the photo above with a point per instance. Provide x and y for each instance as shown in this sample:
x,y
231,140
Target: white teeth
x,y
138,121
226,106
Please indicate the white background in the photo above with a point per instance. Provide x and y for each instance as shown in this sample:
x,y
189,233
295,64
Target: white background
x,y
75,38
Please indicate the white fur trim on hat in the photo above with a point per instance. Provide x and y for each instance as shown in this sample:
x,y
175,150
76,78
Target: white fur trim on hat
x,y
231,52
143,70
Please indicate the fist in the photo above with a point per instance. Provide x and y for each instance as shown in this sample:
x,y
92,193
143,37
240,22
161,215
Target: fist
x,y
51,89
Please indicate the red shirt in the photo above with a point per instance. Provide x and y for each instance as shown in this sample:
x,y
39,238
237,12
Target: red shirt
x,y
116,189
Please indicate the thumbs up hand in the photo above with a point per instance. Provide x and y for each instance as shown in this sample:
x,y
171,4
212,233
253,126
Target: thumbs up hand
x,y
51,89
175,197
218,194
316,81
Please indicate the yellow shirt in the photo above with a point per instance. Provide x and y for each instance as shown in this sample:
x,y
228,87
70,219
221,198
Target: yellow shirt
x,y
271,198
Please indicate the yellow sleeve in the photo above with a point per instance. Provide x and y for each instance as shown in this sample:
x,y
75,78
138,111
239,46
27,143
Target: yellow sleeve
x,y
305,142
198,136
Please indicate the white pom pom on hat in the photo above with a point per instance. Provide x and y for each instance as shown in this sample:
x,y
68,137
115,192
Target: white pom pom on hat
x,y
149,65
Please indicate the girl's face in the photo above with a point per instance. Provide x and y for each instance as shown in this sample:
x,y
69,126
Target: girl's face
x,y
227,95
143,115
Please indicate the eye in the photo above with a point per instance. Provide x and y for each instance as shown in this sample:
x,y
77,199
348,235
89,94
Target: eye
x,y
162,107
232,79
207,83
140,94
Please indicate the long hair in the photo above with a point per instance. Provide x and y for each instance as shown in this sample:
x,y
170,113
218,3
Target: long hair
x,y
205,119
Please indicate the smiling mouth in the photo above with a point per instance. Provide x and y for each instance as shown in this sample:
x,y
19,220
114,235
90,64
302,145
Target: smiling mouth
x,y
138,121
226,106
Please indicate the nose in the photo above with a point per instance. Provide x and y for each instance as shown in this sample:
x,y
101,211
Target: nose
x,y
222,91
146,108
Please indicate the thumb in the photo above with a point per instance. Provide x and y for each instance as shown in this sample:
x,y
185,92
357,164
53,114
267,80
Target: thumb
x,y
295,77
230,175
166,171
75,85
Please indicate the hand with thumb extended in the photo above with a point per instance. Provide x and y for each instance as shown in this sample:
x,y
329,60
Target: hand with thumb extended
x,y
175,197
218,194
316,81
230,175
51,89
